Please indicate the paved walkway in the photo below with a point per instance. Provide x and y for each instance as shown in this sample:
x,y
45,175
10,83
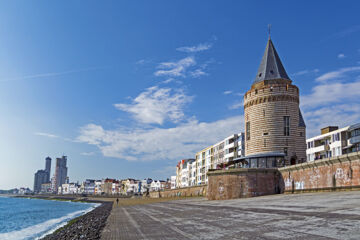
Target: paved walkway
x,y
304,216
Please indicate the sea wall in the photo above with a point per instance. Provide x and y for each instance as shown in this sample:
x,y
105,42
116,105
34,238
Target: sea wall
x,y
330,174
242,183
181,192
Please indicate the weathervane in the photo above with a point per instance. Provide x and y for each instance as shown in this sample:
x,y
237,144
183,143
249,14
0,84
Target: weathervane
x,y
269,29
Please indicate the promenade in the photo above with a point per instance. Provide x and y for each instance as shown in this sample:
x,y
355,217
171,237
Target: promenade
x,y
334,215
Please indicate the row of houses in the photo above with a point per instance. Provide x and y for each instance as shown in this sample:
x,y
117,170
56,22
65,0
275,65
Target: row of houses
x,y
114,187
330,143
193,171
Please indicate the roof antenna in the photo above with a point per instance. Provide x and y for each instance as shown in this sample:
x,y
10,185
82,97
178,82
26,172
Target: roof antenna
x,y
269,29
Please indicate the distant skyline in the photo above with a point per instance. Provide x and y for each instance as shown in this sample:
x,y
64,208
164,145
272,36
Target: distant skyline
x,y
127,89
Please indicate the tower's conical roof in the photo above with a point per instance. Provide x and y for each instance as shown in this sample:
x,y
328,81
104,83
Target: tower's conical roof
x,y
270,66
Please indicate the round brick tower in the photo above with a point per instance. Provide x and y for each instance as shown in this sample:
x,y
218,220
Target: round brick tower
x,y
273,121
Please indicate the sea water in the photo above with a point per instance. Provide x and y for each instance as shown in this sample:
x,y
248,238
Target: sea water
x,y
25,218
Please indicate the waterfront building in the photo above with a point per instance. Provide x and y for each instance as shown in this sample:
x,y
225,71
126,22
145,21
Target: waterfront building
x,y
46,188
192,174
48,168
173,182
60,172
145,185
98,187
183,172
41,177
333,142
69,188
88,186
157,185
228,149
274,127
204,159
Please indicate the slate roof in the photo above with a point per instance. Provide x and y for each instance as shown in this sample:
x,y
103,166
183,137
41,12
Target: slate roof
x,y
301,120
270,66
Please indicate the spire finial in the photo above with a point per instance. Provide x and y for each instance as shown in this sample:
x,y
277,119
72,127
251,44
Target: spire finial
x,y
269,29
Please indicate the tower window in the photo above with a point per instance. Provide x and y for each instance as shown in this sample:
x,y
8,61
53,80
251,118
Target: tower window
x,y
264,142
256,91
271,71
247,130
259,74
286,126
286,151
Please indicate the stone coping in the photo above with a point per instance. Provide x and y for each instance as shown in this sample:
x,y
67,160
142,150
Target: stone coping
x,y
242,170
175,189
325,189
355,156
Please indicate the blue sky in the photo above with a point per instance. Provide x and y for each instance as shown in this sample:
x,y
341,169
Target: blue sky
x,y
126,89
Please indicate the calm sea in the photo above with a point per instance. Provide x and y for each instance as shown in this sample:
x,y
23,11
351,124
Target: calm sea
x,y
22,218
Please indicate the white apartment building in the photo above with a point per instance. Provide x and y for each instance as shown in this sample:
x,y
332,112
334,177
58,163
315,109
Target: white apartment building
x,y
333,142
192,174
173,182
228,149
184,172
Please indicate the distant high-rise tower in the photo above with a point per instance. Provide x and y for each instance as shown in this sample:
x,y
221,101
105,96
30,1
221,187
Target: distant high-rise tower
x,y
48,168
274,126
60,172
42,176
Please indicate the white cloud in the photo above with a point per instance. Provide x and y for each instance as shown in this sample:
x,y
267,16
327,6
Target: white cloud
x,y
304,72
87,153
159,143
49,135
52,74
339,115
341,55
328,93
334,102
227,92
175,69
169,80
340,73
200,47
156,105
236,105
197,73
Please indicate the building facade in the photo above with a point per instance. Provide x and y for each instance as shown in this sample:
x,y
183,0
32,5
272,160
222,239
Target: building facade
x,y
333,142
42,176
39,179
274,126
60,175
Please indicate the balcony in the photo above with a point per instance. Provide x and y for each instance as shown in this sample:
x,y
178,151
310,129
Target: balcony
x,y
229,155
317,149
231,145
353,140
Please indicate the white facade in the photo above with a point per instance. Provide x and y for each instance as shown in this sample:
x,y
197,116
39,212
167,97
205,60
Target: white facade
x,y
173,182
157,185
228,149
334,143
69,188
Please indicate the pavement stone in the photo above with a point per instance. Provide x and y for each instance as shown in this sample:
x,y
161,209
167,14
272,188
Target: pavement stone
x,y
332,215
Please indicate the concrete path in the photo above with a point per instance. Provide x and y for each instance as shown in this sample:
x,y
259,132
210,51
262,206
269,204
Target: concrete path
x,y
304,216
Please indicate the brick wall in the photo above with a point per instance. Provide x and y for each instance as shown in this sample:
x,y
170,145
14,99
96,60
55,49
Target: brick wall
x,y
242,182
331,174
334,173
181,192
